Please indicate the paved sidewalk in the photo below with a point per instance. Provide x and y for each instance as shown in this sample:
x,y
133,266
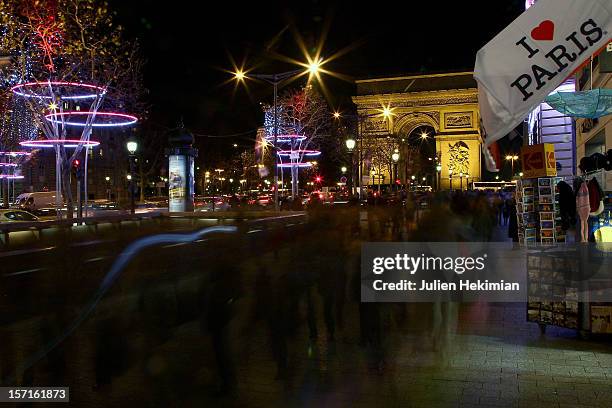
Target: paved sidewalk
x,y
495,359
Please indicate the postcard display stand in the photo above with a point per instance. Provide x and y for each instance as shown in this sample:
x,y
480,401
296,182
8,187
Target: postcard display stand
x,y
537,211
554,298
551,301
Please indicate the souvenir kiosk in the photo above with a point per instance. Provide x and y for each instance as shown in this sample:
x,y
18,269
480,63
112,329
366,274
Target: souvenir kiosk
x,y
568,283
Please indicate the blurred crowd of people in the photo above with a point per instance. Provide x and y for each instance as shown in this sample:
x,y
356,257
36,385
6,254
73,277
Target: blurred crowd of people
x,y
280,291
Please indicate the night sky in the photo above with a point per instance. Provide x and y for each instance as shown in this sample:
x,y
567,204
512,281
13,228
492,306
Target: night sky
x,y
188,43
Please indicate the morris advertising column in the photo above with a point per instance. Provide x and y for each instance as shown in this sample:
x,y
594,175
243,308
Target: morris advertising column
x,y
181,180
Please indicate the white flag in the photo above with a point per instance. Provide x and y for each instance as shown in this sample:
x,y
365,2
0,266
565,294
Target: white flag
x,y
529,59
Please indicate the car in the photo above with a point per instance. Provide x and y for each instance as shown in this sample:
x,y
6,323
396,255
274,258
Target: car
x,y
264,200
12,215
209,204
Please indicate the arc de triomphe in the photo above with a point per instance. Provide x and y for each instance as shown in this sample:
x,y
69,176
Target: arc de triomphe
x,y
446,102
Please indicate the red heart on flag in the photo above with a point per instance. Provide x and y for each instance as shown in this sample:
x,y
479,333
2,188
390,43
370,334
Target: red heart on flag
x,y
544,32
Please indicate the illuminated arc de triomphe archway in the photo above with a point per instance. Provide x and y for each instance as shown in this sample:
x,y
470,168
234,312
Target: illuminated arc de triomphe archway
x,y
447,103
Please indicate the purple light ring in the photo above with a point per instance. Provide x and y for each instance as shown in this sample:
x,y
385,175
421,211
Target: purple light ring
x,y
130,119
305,152
282,165
49,143
17,90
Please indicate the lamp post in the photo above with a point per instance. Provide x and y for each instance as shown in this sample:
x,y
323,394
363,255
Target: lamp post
x,y
312,69
386,112
108,191
350,146
512,158
395,157
461,180
450,177
438,171
132,146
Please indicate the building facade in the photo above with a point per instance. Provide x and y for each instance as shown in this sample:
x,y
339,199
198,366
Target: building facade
x,y
595,135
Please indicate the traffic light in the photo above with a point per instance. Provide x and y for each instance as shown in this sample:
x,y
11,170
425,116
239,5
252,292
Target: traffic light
x,y
76,167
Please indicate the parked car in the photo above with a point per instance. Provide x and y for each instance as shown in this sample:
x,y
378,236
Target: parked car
x,y
11,215
212,204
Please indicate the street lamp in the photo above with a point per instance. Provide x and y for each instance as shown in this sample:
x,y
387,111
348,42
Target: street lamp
x,y
131,146
450,177
343,169
350,144
438,172
108,191
461,180
395,157
387,112
312,68
239,75
512,158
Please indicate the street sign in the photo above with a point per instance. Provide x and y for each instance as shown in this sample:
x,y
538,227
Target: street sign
x,y
539,160
343,179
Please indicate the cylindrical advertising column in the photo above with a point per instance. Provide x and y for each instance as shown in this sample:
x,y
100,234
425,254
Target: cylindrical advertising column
x,y
181,179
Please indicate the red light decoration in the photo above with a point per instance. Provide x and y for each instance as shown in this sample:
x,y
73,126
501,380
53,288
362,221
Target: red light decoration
x,y
42,16
318,179
68,143
113,119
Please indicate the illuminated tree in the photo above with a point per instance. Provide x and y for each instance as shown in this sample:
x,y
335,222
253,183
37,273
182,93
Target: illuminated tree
x,y
380,152
72,41
305,113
